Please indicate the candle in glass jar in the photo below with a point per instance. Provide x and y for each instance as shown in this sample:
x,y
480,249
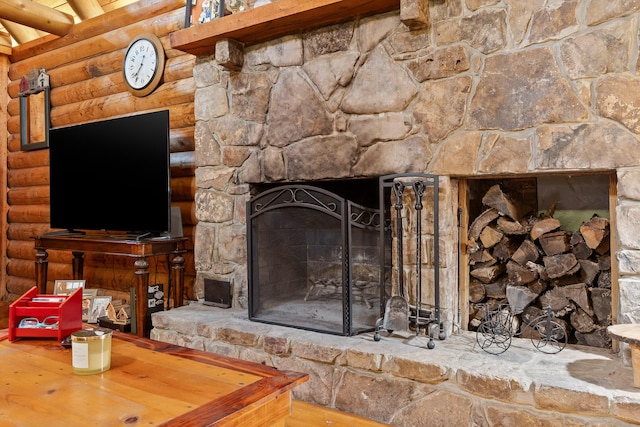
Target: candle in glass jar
x,y
91,351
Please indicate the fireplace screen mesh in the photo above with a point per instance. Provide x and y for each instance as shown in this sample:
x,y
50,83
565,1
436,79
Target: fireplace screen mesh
x,y
305,243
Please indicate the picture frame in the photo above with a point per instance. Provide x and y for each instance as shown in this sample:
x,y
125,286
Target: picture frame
x,y
88,296
66,287
99,308
34,121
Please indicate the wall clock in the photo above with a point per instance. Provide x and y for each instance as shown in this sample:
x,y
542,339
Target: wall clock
x,y
143,64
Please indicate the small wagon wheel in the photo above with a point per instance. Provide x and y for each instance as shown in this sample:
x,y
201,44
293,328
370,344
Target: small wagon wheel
x,y
493,335
548,336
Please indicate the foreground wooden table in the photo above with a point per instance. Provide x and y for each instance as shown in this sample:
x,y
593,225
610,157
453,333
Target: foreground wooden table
x,y
149,384
629,333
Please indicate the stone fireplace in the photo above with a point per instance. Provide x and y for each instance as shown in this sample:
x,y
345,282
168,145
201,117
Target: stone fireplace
x,y
489,89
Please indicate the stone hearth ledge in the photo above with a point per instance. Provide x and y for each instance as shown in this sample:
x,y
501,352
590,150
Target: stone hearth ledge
x,y
391,381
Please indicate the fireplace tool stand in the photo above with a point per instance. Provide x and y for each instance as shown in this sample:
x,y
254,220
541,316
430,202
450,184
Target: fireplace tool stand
x,y
399,315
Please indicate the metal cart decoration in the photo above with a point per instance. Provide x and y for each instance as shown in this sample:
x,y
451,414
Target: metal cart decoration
x,y
398,315
497,329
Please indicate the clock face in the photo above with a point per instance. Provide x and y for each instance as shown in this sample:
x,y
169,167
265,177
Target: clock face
x,y
140,63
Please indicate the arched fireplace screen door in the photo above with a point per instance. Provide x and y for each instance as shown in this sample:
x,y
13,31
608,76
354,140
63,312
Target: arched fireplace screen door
x,y
304,245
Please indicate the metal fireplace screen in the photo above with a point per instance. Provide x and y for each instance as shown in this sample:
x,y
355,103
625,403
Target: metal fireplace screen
x,y
305,244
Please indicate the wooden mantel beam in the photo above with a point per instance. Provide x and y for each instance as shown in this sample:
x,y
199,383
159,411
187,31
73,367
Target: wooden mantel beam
x,y
35,15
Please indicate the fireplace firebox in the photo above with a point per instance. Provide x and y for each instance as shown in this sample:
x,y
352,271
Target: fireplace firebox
x,y
305,243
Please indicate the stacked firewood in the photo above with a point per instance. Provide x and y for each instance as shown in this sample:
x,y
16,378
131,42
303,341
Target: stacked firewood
x,y
532,265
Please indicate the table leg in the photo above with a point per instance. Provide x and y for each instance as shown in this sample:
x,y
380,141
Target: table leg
x,y
78,265
177,270
42,266
142,285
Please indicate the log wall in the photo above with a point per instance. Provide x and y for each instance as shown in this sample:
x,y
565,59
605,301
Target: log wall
x,y
85,69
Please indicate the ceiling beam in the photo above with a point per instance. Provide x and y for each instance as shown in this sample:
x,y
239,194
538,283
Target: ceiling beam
x,y
20,33
32,14
86,9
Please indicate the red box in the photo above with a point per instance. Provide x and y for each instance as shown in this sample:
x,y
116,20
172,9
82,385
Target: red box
x,y
69,313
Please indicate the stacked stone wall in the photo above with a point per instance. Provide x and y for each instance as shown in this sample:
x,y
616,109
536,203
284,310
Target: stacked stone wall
x,y
489,88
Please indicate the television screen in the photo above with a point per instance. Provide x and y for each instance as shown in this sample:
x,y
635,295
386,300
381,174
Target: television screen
x,y
112,175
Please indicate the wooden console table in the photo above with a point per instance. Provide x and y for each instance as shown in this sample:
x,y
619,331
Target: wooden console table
x,y
149,384
119,245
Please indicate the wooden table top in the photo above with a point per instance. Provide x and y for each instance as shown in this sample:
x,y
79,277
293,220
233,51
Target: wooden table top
x,y
628,332
150,383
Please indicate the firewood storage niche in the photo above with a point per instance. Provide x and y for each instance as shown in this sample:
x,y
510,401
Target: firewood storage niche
x,y
541,243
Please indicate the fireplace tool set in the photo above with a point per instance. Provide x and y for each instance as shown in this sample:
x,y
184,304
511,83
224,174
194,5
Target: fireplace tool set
x,y
399,316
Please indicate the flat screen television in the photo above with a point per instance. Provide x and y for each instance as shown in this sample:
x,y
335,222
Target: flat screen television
x,y
112,175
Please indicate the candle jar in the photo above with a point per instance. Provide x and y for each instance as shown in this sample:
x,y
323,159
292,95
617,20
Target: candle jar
x,y
91,351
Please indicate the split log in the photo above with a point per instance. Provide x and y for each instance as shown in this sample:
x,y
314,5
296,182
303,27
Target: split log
x,y
604,279
519,275
561,265
28,177
476,291
519,298
598,338
482,258
526,252
488,274
29,213
505,249
478,224
582,322
537,286
589,271
511,227
594,231
554,243
496,290
557,301
496,199
579,247
578,294
28,195
601,302
490,236
544,226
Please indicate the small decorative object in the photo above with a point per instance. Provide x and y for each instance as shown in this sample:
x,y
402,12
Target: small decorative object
x,y
143,64
35,119
235,6
87,302
99,308
495,332
65,287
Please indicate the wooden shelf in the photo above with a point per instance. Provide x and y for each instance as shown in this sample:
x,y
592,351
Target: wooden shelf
x,y
275,20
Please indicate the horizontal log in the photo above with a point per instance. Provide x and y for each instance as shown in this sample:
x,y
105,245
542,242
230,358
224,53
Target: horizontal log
x,y
29,213
25,231
134,16
183,188
25,159
28,177
17,286
103,43
28,195
172,96
183,164
182,139
26,269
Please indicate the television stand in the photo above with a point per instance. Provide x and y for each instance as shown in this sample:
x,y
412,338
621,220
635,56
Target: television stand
x,y
140,250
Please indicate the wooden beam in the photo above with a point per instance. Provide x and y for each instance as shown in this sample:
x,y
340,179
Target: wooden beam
x,y
19,32
86,9
35,15
5,44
